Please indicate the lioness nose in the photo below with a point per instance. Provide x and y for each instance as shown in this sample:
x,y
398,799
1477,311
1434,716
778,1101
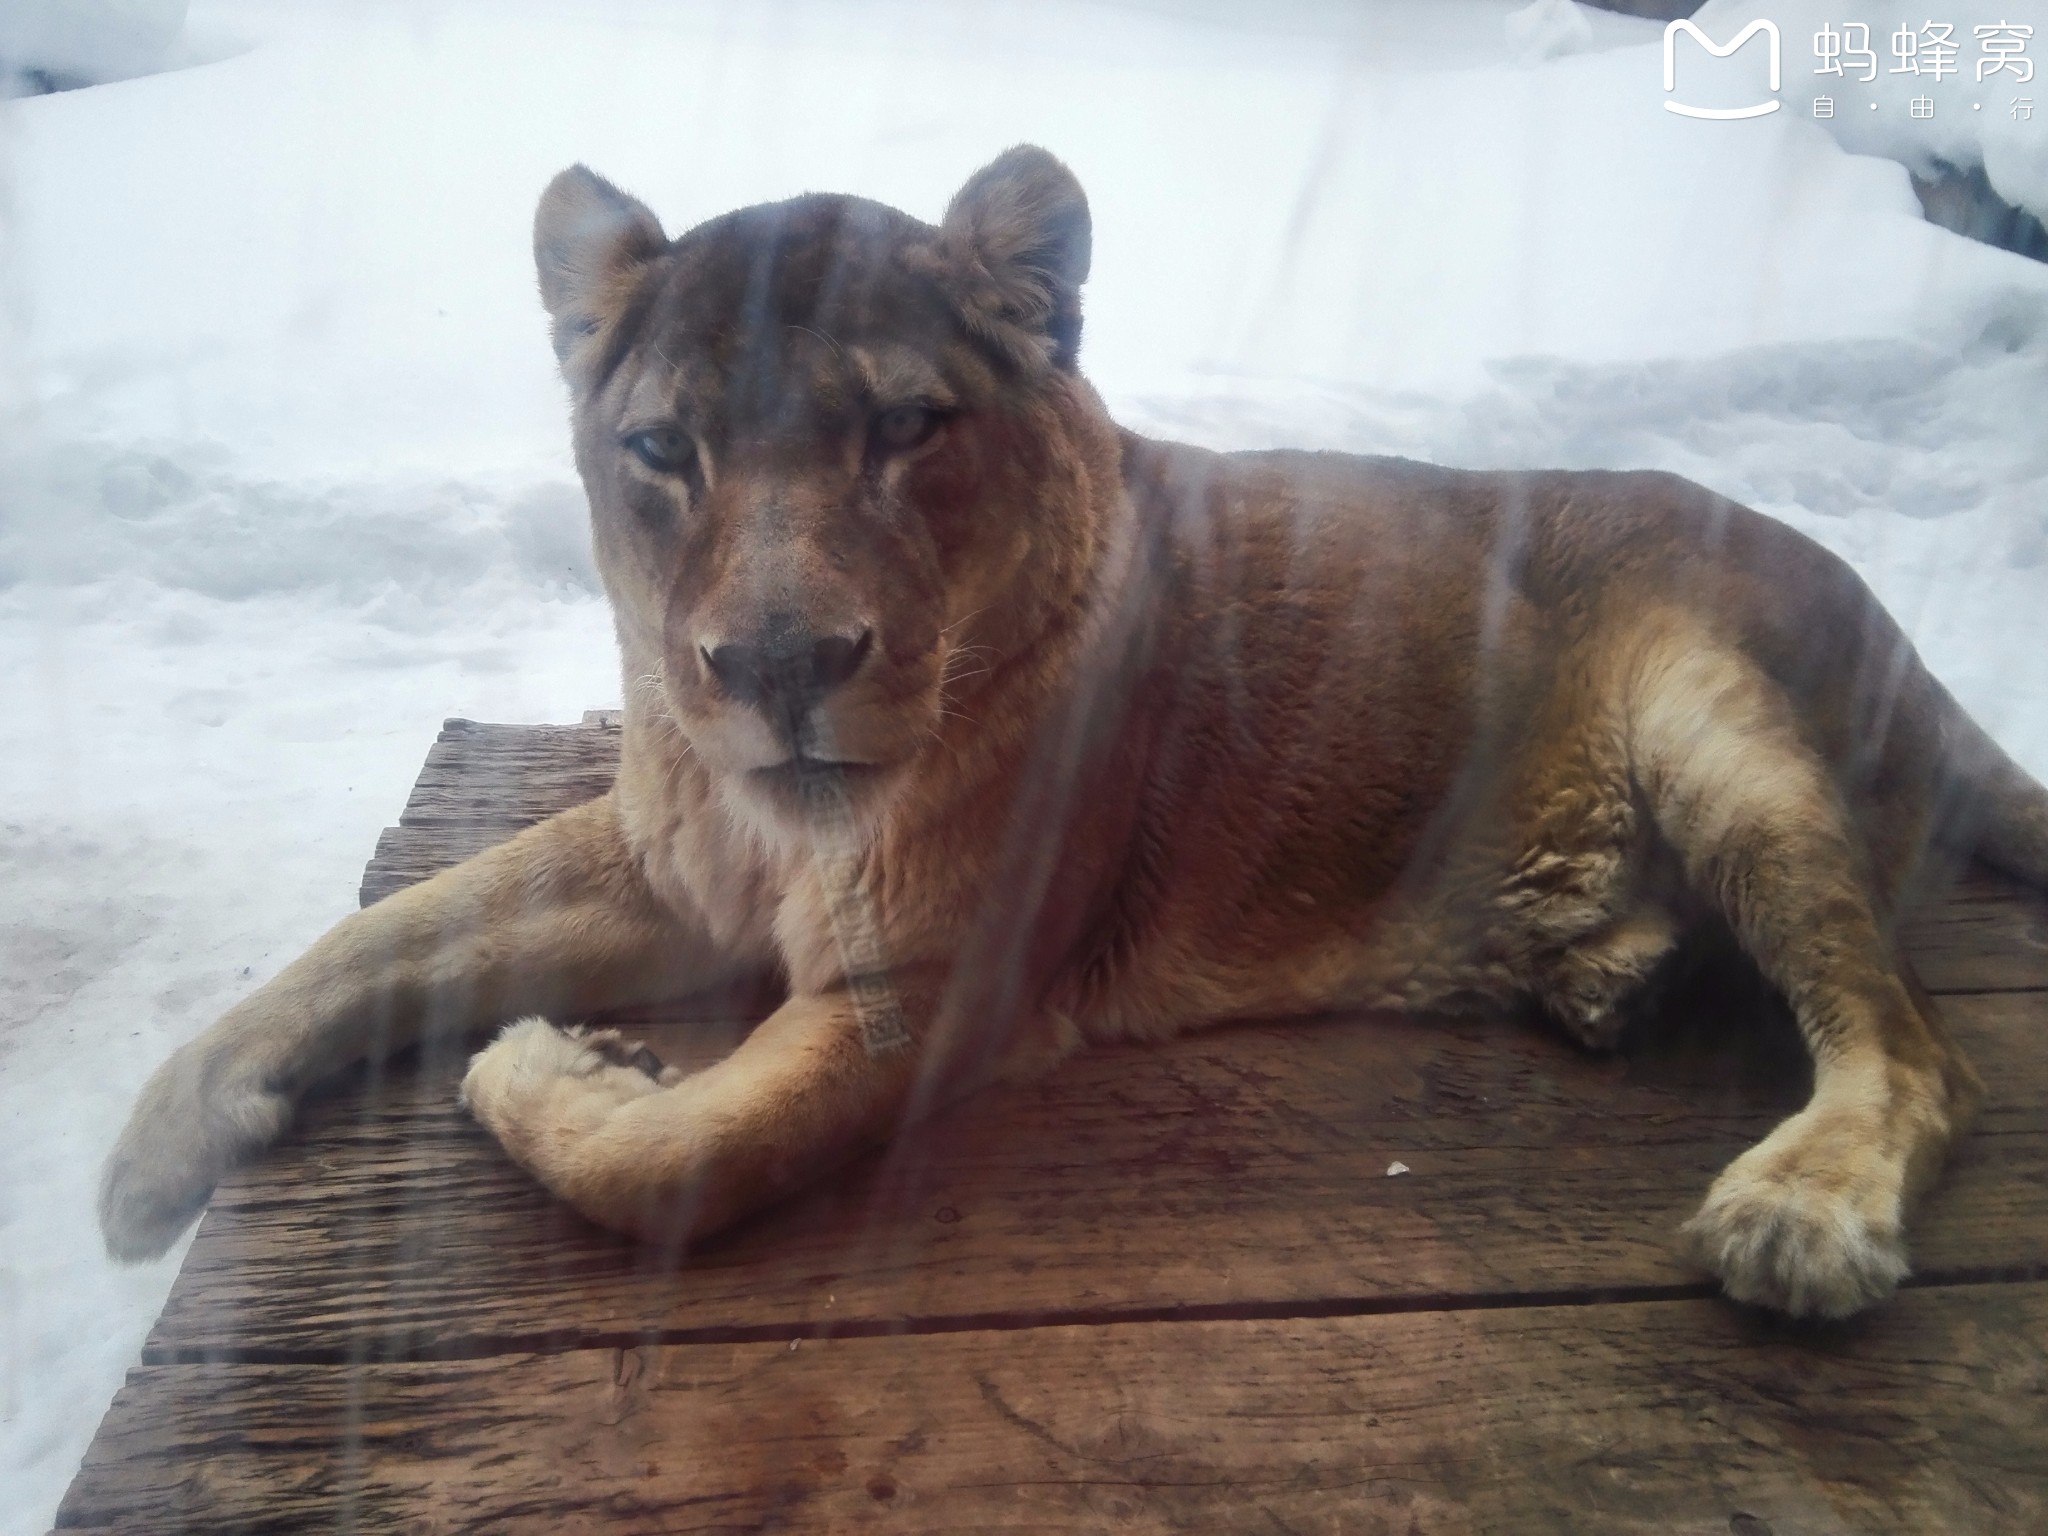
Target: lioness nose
x,y
792,670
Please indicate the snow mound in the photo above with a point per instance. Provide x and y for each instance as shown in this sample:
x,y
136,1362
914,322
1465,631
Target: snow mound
x,y
86,42
1548,29
182,517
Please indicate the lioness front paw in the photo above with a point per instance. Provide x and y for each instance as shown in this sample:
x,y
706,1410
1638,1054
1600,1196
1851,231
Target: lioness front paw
x,y
536,1085
1796,1244
187,1129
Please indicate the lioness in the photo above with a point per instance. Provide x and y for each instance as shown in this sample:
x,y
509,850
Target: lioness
x,y
995,730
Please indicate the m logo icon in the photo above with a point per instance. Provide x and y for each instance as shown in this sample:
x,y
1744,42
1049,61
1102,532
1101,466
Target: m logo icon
x,y
1719,51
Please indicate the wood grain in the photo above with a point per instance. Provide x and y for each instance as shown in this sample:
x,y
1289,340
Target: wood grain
x,y
1240,1168
1987,933
481,783
1930,1415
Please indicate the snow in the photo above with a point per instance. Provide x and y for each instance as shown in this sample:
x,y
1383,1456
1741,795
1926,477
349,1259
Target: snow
x,y
1548,29
89,41
285,477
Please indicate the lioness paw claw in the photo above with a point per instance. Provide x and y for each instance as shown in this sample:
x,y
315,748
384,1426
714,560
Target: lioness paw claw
x,y
1800,1250
536,1081
621,1052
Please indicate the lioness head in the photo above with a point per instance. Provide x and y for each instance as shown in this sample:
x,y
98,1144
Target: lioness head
x,y
839,461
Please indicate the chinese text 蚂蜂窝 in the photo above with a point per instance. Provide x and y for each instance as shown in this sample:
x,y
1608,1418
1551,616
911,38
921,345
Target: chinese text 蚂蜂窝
x,y
1928,50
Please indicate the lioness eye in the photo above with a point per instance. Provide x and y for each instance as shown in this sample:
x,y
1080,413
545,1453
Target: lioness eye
x,y
903,427
662,449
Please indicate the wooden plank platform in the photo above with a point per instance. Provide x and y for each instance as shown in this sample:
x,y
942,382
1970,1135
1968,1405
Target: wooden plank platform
x,y
1166,1289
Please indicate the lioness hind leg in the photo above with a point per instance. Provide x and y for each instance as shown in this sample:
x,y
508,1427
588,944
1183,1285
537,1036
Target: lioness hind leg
x,y
1811,1220
1587,986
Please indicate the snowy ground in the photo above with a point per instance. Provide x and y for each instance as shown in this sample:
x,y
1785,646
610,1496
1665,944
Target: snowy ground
x,y
283,479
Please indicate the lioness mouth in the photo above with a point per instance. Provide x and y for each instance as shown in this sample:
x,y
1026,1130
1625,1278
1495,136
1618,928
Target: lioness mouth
x,y
800,772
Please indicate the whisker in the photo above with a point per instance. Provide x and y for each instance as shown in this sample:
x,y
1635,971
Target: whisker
x,y
948,672
809,331
964,618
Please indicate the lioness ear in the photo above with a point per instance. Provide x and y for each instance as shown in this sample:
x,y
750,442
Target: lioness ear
x,y
1017,235
589,242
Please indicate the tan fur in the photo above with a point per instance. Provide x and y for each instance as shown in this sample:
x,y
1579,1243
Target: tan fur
x,y
994,730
